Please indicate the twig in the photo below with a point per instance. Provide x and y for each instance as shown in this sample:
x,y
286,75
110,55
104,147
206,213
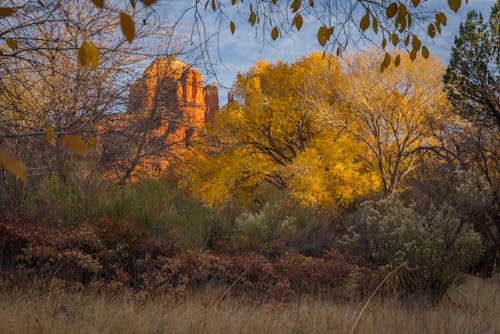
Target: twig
x,y
372,295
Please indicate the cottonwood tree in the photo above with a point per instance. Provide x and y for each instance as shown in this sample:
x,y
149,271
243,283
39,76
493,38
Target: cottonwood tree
x,y
389,112
272,134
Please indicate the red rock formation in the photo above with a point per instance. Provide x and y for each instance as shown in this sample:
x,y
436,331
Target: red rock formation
x,y
172,89
168,105
211,95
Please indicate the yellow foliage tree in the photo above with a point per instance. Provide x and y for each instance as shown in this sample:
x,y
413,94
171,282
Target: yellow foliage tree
x,y
390,112
272,133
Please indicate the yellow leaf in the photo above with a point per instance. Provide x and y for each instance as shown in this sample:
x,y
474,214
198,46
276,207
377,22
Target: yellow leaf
x,y
425,52
295,6
415,3
93,54
386,62
413,54
232,27
387,59
297,21
397,61
375,25
13,165
391,10
365,22
98,3
11,43
324,35
415,43
83,55
128,27
455,5
75,143
441,18
275,33
431,30
407,40
148,3
6,11
50,134
395,39
88,55
93,142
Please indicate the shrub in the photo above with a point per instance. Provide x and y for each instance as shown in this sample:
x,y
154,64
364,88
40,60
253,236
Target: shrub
x,y
269,223
169,215
435,247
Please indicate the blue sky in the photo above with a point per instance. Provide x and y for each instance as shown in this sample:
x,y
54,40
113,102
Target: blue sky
x,y
238,52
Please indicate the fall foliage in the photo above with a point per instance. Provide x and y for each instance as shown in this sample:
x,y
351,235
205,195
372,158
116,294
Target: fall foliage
x,y
348,177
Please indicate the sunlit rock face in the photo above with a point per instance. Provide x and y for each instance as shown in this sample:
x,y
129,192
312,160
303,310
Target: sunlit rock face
x,y
171,88
168,106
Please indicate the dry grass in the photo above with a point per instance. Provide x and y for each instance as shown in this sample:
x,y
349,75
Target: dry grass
x,y
471,307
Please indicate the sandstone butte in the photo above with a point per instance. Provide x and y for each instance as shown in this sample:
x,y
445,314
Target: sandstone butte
x,y
167,106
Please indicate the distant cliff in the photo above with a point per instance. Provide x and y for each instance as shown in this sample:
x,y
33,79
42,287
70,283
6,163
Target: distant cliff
x,y
172,88
167,107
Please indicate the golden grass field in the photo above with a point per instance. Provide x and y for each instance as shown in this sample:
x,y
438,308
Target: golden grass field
x,y
471,307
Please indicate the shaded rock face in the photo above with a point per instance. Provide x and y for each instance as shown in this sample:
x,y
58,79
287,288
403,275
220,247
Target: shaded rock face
x,y
166,109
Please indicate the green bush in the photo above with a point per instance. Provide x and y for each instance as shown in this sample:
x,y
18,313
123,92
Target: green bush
x,y
169,215
435,247
57,199
267,224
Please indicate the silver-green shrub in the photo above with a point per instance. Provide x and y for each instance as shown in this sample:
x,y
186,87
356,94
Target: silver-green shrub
x,y
434,247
